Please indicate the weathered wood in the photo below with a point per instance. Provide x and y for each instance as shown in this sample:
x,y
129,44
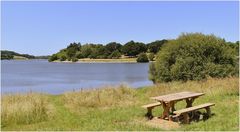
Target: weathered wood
x,y
193,108
185,118
208,111
177,96
149,108
152,105
186,111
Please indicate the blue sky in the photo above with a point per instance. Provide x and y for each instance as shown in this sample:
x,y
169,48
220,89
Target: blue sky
x,y
43,28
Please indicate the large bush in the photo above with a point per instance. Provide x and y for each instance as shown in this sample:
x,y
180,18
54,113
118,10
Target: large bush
x,y
142,58
194,57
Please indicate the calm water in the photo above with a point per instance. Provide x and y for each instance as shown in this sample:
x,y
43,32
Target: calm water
x,y
56,78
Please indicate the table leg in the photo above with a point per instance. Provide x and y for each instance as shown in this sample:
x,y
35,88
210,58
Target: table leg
x,y
189,102
172,107
166,109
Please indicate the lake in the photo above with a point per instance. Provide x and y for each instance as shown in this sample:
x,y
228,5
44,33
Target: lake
x,y
19,76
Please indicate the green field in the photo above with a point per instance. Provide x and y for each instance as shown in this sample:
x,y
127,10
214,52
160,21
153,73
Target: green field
x,y
118,108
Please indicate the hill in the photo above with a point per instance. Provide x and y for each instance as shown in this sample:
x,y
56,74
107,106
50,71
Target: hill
x,y
9,55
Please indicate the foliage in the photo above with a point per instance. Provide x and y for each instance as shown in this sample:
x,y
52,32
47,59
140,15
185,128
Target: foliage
x,y
152,72
53,58
113,46
151,56
115,55
142,58
133,48
74,60
7,55
156,45
194,57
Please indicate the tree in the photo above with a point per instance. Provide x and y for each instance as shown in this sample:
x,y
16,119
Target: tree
x,y
142,58
53,58
63,58
115,55
133,48
194,56
86,50
113,46
156,45
151,56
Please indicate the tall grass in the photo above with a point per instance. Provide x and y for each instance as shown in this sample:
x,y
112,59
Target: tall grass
x,y
100,98
210,86
25,109
119,108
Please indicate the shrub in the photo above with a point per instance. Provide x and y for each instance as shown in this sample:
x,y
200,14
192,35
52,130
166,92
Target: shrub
x,y
115,55
53,58
194,57
151,56
63,58
142,58
74,59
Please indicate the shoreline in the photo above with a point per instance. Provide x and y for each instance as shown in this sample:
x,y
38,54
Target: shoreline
x,y
87,60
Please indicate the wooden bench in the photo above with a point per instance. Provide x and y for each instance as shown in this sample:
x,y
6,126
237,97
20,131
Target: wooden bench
x,y
184,112
149,108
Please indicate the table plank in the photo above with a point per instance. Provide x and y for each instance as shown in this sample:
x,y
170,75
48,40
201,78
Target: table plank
x,y
177,96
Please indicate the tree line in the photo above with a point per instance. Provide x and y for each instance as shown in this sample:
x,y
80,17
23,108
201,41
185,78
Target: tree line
x,y
9,55
112,50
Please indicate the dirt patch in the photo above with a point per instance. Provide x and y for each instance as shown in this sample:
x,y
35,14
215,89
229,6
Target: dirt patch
x,y
160,123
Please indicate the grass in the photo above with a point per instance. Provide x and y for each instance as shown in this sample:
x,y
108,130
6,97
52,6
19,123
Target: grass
x,y
119,108
19,58
25,109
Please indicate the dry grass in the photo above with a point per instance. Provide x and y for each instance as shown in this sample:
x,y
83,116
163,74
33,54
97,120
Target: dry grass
x,y
100,98
210,86
25,109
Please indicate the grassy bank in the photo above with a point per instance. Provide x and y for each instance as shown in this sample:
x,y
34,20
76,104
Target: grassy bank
x,y
118,108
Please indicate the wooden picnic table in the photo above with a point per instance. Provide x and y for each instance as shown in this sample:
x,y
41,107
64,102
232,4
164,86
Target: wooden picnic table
x,y
168,101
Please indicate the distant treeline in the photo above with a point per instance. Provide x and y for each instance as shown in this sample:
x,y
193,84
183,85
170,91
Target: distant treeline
x,y
112,50
8,55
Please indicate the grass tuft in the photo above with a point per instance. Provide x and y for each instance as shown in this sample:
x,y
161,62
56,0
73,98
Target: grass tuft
x,y
25,109
100,98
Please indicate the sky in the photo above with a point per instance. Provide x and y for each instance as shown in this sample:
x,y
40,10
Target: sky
x,y
43,28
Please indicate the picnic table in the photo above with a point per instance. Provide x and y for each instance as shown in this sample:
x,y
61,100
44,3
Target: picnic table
x,y
168,101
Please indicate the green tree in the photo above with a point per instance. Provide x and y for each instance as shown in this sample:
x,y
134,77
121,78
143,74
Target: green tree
x,y
142,58
113,46
86,50
63,58
115,55
194,56
151,56
133,48
53,58
156,45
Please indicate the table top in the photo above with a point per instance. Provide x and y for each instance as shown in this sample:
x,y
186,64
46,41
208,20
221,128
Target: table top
x,y
177,96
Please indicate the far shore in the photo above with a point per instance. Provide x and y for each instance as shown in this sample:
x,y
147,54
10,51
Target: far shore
x,y
88,60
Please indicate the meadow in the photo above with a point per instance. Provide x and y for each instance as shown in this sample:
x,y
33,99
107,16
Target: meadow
x,y
118,108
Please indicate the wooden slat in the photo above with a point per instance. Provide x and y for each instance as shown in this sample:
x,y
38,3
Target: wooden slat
x,y
177,96
178,112
151,105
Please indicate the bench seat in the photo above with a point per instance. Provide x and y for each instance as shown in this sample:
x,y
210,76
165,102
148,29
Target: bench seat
x,y
185,111
152,105
149,108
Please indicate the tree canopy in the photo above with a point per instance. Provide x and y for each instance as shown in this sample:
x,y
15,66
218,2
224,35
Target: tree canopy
x,y
194,56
